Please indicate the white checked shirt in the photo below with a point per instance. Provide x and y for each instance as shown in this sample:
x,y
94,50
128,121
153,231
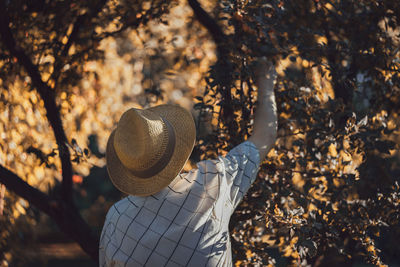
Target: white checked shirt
x,y
185,224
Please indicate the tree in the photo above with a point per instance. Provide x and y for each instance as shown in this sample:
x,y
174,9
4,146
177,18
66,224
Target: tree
x,y
329,190
47,42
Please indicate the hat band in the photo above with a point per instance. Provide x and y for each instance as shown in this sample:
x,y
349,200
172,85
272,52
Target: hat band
x,y
165,158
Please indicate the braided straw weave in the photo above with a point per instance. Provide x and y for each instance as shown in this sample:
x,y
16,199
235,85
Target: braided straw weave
x,y
149,148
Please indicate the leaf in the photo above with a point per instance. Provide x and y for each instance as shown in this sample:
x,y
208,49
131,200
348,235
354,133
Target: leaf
x,y
363,121
291,232
309,247
297,211
170,73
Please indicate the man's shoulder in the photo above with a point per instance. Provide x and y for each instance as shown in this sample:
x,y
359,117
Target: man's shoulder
x,y
120,207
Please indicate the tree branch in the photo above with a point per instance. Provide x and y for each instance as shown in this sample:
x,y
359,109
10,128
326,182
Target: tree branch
x,y
59,60
212,26
65,214
23,189
81,20
48,96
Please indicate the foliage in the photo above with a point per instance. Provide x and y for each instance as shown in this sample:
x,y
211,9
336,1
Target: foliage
x,y
330,185
145,65
44,48
328,192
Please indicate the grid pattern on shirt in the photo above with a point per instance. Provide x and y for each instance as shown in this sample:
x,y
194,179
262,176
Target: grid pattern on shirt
x,y
186,223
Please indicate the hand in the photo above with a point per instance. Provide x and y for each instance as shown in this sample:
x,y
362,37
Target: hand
x,y
265,77
264,70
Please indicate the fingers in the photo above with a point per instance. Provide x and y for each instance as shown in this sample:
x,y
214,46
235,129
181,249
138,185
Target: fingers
x,y
264,69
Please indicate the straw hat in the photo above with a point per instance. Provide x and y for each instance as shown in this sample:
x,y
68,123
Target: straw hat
x,y
149,148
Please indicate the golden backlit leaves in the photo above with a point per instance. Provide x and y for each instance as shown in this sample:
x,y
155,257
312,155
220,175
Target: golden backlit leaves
x,y
342,160
332,150
95,105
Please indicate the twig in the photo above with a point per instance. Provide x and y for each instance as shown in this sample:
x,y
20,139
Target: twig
x,y
2,193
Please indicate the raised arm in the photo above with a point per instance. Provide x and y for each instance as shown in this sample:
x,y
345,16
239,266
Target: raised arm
x,y
265,120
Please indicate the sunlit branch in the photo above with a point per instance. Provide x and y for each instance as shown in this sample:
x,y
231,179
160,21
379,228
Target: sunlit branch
x,y
48,96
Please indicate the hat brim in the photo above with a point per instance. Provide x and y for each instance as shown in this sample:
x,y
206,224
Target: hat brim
x,y
185,134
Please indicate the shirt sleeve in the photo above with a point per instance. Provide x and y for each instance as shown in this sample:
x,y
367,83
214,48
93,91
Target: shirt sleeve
x,y
241,166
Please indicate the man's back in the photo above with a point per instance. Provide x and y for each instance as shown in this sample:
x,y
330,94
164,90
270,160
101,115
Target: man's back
x,y
185,224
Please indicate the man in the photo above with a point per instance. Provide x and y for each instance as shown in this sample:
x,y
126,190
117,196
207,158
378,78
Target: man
x,y
173,219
